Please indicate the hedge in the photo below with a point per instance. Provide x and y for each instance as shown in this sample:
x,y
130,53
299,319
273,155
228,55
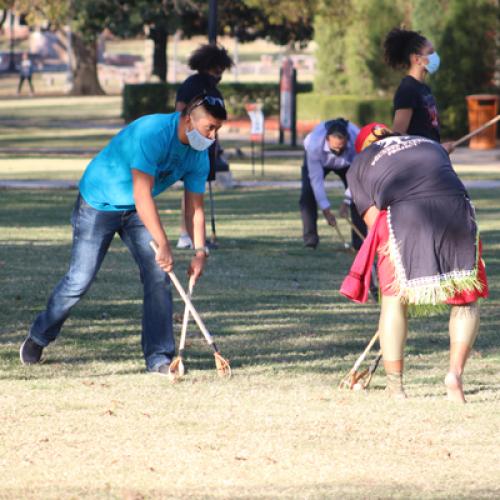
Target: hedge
x,y
144,99
359,110
236,95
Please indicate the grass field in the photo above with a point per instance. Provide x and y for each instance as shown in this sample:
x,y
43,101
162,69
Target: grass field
x,y
90,423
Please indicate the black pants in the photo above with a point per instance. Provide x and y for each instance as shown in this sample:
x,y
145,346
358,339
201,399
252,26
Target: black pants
x,y
309,210
21,81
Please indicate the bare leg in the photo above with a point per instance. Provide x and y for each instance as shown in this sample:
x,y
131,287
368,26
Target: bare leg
x,y
393,328
464,327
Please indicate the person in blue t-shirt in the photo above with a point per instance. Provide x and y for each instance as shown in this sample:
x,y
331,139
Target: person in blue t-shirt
x,y
116,195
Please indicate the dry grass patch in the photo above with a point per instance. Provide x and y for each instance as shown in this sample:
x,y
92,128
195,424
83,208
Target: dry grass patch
x,y
89,423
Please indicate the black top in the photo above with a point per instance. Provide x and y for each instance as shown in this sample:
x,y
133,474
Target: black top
x,y
194,85
418,96
401,168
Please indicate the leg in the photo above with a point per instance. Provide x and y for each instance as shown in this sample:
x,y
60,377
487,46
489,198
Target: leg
x,y
20,86
308,210
92,234
32,90
393,328
184,238
464,328
360,224
158,343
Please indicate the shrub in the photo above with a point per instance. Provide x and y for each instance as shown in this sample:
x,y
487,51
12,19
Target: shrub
x,y
467,49
144,99
236,95
359,110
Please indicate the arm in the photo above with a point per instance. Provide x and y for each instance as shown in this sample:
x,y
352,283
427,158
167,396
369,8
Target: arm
x,y
148,213
315,171
370,216
402,118
195,223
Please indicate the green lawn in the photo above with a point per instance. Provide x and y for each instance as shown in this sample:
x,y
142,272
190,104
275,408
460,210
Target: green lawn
x,y
89,423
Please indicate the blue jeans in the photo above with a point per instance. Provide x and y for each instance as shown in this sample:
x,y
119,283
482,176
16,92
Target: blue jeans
x,y
93,231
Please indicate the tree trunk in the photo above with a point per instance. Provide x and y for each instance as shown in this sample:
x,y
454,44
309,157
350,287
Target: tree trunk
x,y
3,17
85,79
159,36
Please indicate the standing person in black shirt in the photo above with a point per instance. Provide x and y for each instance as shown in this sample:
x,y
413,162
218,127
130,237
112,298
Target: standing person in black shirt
x,y
415,109
210,62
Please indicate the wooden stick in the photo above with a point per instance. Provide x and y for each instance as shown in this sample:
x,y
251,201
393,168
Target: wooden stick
x,y
365,352
185,319
188,302
354,227
475,132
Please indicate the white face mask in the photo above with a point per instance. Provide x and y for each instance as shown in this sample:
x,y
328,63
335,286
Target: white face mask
x,y
198,141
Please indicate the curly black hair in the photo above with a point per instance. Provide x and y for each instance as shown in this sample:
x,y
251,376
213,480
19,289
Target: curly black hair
x,y
399,44
207,57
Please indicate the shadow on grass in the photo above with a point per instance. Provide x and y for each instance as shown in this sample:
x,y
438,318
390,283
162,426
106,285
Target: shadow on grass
x,y
270,303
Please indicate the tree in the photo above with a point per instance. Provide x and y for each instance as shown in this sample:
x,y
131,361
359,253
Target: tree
x,y
285,22
349,35
87,19
330,36
467,47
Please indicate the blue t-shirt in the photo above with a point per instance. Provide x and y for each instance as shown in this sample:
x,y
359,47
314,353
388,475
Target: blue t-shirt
x,y
149,144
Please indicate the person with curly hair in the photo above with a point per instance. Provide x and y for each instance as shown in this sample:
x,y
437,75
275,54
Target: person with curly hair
x,y
209,62
415,109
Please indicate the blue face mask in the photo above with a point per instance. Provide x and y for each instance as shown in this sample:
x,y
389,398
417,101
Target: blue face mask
x,y
433,65
198,141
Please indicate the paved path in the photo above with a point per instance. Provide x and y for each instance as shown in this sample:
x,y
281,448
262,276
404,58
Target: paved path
x,y
63,184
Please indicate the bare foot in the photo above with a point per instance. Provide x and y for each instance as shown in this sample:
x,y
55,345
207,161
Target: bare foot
x,y
453,383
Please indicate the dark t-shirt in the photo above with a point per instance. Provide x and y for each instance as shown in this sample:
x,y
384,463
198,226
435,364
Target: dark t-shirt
x,y
401,168
194,85
418,96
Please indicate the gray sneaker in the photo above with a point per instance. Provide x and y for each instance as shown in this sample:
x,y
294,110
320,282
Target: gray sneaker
x,y
30,352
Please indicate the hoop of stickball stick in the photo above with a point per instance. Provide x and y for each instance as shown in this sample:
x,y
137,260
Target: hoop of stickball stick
x,y
178,370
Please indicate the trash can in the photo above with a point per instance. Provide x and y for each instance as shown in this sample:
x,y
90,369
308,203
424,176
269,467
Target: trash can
x,y
482,108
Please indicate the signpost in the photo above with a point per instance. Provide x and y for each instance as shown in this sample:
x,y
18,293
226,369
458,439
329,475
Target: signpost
x,y
288,101
257,130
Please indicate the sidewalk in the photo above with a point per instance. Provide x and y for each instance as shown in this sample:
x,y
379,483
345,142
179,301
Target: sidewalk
x,y
61,184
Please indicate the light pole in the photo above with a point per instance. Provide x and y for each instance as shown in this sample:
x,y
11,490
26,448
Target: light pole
x,y
212,22
12,63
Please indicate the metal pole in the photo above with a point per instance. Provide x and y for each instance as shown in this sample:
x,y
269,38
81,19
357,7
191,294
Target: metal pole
x,y
294,107
253,157
282,134
212,22
262,154
12,63
212,40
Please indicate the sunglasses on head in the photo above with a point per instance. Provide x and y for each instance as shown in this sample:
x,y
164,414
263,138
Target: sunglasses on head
x,y
211,101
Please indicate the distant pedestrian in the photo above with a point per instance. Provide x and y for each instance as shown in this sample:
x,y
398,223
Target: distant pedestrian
x,y
415,108
209,62
26,73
